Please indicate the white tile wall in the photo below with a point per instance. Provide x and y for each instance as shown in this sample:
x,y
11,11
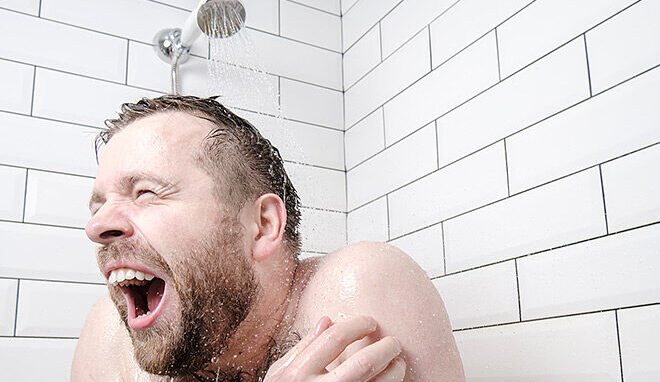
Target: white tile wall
x,y
389,78
545,25
57,199
639,329
65,304
48,145
309,25
362,16
465,22
610,124
322,231
12,192
368,223
399,164
548,86
26,6
407,19
631,187
8,288
346,5
564,211
41,42
308,180
469,303
19,354
44,252
570,349
362,57
624,46
425,247
364,139
331,6
467,74
617,270
16,80
261,14
469,183
313,104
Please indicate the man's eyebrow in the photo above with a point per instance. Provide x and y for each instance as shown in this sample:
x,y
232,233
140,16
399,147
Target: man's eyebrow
x,y
127,182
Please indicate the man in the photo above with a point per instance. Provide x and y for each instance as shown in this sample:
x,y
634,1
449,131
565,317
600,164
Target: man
x,y
197,226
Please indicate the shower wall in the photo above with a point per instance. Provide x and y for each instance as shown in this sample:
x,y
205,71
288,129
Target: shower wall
x,y
65,66
511,148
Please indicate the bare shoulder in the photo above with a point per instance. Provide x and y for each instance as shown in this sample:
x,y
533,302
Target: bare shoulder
x,y
104,350
380,280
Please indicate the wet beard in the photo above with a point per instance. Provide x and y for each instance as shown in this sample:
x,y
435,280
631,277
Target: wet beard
x,y
216,287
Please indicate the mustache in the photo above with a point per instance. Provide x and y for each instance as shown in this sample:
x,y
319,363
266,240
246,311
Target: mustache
x,y
132,250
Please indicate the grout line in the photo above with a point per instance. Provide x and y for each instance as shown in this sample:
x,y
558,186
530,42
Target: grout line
x,y
618,341
602,189
552,317
374,24
437,147
497,48
387,208
343,110
279,18
515,264
25,194
128,45
380,39
322,209
39,13
52,280
49,171
18,288
586,55
430,49
444,249
506,167
42,224
316,9
349,8
34,85
279,92
41,338
382,111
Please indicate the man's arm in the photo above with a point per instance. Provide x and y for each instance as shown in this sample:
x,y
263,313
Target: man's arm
x,y
381,281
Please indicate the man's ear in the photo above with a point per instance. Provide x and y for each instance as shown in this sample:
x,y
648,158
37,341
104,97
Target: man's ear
x,y
270,214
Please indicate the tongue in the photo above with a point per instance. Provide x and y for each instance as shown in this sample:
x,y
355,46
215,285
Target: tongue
x,y
155,293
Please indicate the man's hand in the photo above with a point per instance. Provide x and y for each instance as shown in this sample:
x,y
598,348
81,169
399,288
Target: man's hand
x,y
307,361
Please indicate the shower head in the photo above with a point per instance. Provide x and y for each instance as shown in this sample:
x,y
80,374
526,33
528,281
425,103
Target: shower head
x,y
221,18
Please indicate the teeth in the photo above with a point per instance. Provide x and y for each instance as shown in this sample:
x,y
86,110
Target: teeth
x,y
128,276
144,315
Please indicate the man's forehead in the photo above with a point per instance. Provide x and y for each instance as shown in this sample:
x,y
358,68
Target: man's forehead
x,y
166,130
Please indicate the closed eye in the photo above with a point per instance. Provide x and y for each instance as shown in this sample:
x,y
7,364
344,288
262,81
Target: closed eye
x,y
142,192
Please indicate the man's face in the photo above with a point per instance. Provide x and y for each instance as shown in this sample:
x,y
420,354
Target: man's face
x,y
175,260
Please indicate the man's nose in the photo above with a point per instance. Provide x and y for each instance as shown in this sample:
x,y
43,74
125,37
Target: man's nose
x,y
108,225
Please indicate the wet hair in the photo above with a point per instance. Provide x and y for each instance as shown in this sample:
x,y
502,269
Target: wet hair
x,y
244,164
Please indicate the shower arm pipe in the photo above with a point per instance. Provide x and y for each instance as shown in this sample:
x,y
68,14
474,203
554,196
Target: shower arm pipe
x,y
174,72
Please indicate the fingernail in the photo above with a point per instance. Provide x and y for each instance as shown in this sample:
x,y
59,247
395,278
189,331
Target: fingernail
x,y
398,343
321,325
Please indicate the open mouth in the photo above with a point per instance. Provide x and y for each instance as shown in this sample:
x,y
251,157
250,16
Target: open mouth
x,y
144,295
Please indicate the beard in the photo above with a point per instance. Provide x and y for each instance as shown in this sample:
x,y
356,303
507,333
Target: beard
x,y
216,288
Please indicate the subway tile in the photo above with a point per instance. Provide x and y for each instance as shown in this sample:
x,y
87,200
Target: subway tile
x,y
47,253
136,20
465,22
368,223
12,192
310,25
624,46
547,24
322,231
463,77
309,180
364,139
95,100
639,330
631,187
399,164
408,18
48,145
312,104
185,4
426,248
55,309
49,44
613,271
262,15
290,59
568,349
389,78
613,123
20,354
8,288
562,212
550,85
331,6
300,142
25,6
362,57
346,5
362,16
469,183
57,199
16,80
483,296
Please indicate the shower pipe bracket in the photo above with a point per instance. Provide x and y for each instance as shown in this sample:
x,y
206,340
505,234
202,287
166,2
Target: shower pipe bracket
x,y
169,48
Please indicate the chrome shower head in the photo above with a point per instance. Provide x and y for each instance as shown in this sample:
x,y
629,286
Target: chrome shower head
x,y
221,18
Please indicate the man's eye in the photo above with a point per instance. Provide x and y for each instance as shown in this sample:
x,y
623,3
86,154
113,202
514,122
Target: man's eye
x,y
142,192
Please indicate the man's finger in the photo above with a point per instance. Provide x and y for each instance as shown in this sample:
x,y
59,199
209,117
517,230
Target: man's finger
x,y
369,362
395,372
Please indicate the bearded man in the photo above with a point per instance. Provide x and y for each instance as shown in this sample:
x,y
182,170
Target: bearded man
x,y
196,223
